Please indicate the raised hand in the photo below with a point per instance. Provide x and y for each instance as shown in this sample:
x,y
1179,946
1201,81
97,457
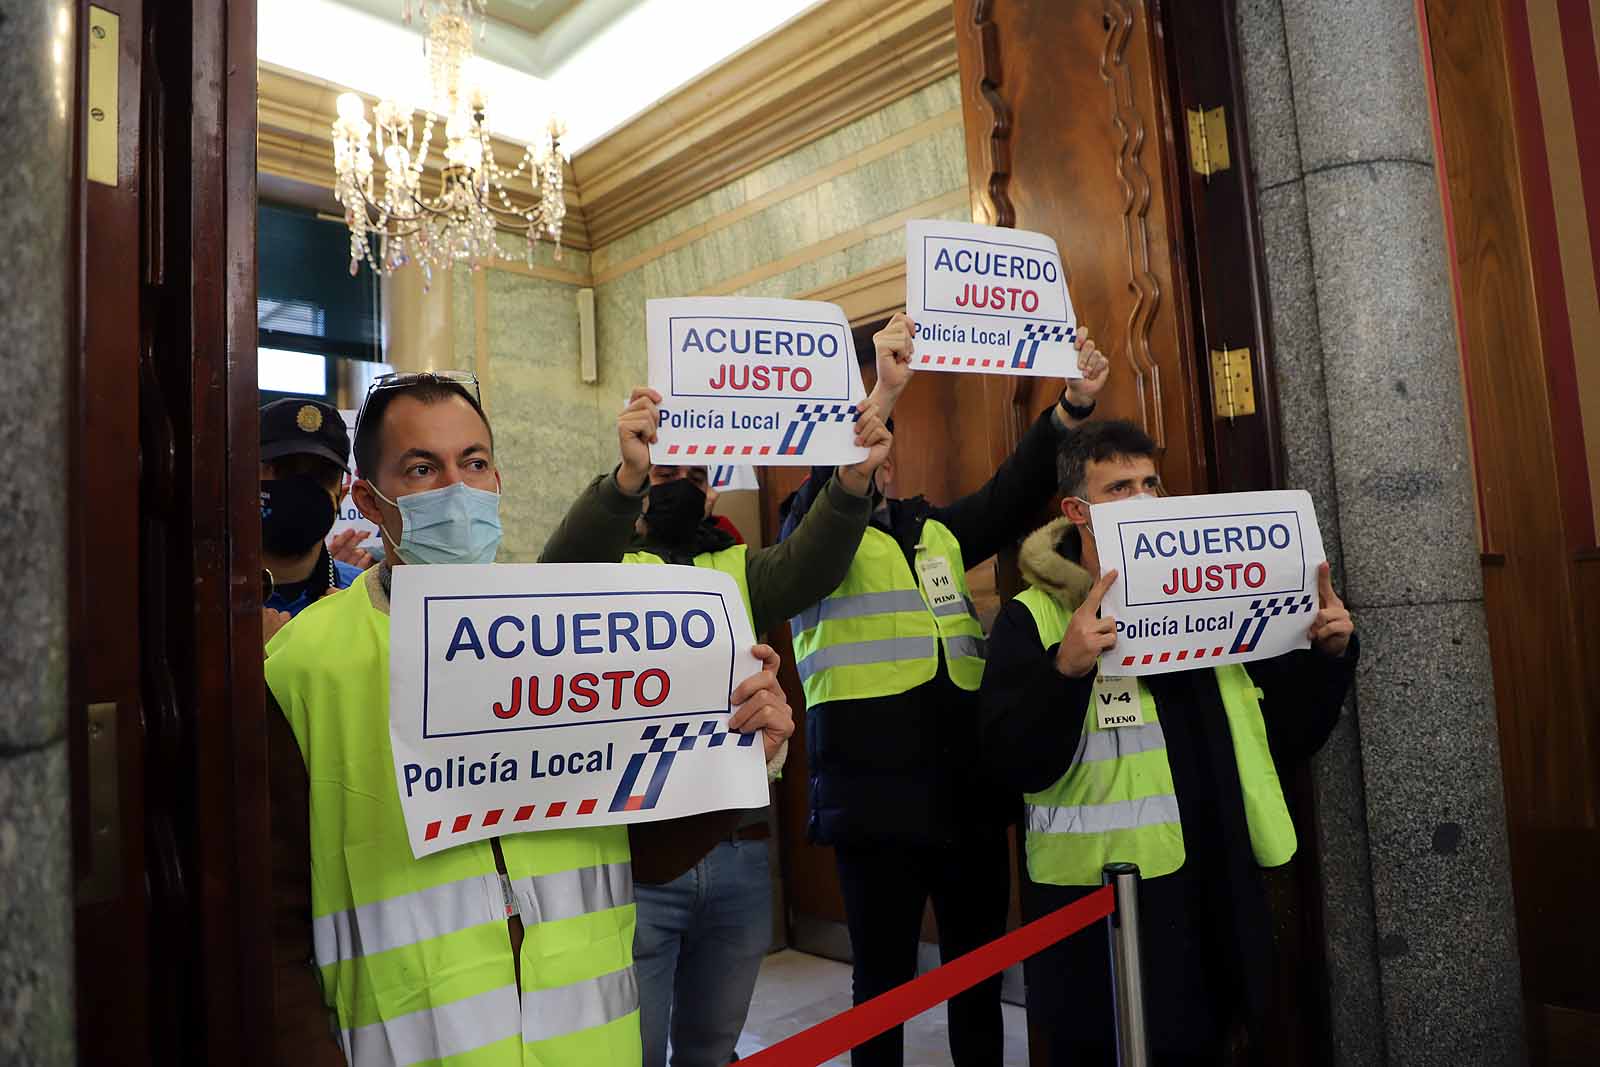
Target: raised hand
x,y
345,547
759,704
636,432
1331,629
1087,636
873,435
894,346
1094,367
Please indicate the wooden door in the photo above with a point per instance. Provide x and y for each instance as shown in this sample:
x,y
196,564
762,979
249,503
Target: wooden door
x,y
1076,116
167,717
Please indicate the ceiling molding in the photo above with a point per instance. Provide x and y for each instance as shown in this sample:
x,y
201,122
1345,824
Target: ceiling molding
x,y
295,112
869,296
830,66
838,62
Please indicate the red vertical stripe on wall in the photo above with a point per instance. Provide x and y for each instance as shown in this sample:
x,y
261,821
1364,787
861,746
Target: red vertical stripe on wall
x,y
1550,282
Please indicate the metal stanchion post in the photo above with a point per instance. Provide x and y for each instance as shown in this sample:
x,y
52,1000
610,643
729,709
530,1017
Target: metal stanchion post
x,y
1127,972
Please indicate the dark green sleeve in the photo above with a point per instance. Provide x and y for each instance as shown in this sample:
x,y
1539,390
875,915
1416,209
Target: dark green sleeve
x,y
806,566
597,527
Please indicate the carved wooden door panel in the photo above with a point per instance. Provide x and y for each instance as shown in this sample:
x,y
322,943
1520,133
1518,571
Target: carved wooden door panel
x,y
1076,116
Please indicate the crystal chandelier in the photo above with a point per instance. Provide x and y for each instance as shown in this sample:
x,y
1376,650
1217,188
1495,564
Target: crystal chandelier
x,y
457,222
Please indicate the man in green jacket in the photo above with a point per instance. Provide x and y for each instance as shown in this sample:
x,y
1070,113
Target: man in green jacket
x,y
702,883
509,951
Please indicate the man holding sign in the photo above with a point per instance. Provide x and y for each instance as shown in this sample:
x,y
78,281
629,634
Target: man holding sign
x,y
1175,770
509,950
704,892
890,662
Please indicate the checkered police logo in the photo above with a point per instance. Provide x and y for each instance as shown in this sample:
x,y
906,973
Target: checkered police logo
x,y
665,749
1255,624
1035,334
798,433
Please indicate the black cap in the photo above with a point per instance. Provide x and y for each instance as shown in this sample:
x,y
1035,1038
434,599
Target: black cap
x,y
297,427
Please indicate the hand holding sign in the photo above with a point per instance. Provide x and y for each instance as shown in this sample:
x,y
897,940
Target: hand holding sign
x,y
873,435
894,348
636,432
1331,629
1088,633
345,546
759,703
1094,367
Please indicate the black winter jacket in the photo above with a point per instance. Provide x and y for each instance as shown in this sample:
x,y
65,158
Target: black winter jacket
x,y
1207,932
902,769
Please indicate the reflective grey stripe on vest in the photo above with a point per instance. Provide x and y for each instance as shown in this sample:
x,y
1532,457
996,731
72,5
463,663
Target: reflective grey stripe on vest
x,y
855,606
1096,746
567,894
548,1013
859,653
1103,818
407,919
963,645
456,906
964,606
435,1033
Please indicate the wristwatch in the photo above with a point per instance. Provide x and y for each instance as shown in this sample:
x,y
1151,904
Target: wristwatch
x,y
1074,410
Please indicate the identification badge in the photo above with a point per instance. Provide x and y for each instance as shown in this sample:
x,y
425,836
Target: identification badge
x,y
1117,703
937,583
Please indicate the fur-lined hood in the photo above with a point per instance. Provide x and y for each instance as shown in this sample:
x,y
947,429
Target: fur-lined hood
x,y
1045,567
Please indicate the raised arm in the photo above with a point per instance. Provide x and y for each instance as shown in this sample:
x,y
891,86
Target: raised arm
x,y
599,524
1007,505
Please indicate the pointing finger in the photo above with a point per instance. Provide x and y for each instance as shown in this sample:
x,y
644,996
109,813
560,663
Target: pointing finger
x,y
1098,591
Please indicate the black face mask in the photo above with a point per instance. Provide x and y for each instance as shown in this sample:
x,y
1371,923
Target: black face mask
x,y
676,509
296,513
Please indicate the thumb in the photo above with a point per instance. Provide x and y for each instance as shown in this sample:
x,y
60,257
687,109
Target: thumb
x,y
1325,593
768,656
1098,591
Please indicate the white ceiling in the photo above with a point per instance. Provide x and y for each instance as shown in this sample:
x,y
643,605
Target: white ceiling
x,y
592,63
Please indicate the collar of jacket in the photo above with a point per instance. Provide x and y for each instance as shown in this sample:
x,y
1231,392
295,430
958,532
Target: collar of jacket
x,y
1045,567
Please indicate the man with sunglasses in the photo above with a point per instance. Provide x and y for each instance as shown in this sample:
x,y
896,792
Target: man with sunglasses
x,y
514,950
1190,792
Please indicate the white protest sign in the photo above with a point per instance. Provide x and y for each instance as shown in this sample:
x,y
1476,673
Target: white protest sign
x,y
770,382
349,516
1207,580
732,479
547,696
988,300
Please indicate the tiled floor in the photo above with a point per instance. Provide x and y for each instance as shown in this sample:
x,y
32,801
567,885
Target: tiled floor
x,y
796,990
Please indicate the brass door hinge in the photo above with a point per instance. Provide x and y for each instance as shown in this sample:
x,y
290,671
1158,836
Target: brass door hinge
x,y
1233,388
1208,141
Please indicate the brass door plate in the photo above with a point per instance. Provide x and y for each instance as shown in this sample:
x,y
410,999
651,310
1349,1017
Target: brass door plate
x,y
100,139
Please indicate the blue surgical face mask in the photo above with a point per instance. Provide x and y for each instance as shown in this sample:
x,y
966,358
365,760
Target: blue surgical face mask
x,y
456,524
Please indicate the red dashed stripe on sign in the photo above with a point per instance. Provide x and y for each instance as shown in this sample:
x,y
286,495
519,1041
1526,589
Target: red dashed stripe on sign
x,y
1166,657
955,361
493,816
712,450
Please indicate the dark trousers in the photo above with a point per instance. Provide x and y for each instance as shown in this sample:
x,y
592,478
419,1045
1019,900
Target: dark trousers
x,y
885,890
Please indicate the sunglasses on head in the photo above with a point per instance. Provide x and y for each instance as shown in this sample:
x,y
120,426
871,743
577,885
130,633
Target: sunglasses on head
x,y
465,379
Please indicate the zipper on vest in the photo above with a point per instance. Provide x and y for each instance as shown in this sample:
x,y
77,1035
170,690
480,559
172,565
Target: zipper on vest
x,y
513,920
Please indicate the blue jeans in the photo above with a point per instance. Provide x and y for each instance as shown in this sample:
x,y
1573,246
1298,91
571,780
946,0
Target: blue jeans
x,y
698,948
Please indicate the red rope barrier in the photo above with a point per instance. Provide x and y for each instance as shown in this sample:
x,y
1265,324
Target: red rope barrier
x,y
866,1021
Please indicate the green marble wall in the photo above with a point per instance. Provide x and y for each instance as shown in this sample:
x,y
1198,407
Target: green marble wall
x,y
542,412
554,433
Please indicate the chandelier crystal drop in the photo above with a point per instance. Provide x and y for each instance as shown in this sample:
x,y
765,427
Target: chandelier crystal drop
x,y
451,214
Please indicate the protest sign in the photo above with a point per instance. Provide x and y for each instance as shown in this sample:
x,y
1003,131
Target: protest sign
x,y
349,516
988,300
540,697
732,479
769,382
1207,580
